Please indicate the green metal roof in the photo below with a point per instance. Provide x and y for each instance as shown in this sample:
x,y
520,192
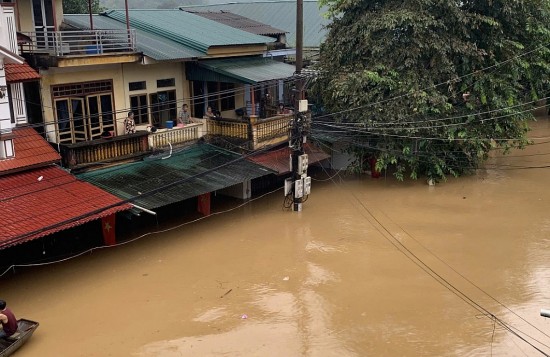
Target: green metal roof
x,y
250,70
157,182
279,14
153,46
187,29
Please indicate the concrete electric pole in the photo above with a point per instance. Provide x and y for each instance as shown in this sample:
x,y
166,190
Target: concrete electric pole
x,y
299,185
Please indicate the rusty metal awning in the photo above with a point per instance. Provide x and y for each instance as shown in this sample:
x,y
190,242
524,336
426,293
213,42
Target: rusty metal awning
x,y
279,160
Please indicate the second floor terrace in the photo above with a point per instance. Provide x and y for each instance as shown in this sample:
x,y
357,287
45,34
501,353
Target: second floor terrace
x,y
72,47
236,135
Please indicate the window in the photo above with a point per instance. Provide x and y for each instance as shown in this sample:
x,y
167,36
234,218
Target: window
x,y
197,89
163,107
83,111
6,149
138,103
227,96
221,96
80,89
133,86
162,83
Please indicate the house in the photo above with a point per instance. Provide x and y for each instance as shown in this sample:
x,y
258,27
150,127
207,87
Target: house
x,y
279,14
94,69
34,190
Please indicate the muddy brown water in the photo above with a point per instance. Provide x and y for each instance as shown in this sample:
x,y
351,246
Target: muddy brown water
x,y
371,267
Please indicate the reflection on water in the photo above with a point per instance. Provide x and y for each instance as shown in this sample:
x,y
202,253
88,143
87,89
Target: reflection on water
x,y
333,280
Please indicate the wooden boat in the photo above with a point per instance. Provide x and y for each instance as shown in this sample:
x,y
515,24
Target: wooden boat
x,y
25,329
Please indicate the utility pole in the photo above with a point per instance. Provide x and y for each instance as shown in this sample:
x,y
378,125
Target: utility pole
x,y
299,185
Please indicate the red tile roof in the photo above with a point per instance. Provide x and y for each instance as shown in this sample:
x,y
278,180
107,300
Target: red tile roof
x,y
279,160
43,201
20,73
31,150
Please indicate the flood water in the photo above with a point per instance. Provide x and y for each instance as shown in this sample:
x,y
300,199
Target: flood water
x,y
371,267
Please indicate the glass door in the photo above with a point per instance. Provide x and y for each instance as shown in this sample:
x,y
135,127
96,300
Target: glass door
x,y
71,120
94,116
78,116
100,115
42,11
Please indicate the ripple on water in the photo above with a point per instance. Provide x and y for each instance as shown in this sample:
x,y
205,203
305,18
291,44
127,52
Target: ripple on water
x,y
318,275
211,315
322,247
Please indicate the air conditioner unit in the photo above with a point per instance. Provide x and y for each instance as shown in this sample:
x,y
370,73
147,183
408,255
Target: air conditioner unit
x,y
64,48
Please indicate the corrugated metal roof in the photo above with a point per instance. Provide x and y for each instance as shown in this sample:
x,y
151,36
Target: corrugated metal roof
x,y
43,201
157,182
240,22
249,70
280,14
154,46
187,29
279,160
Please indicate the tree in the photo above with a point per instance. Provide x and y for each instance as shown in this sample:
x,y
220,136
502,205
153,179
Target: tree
x,y
80,6
439,83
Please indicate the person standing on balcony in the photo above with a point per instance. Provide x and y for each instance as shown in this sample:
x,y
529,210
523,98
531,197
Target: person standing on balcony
x,y
184,117
8,321
264,102
129,124
209,113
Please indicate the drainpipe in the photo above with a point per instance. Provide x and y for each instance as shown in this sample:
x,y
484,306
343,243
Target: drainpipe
x,y
54,16
90,12
127,15
128,24
253,109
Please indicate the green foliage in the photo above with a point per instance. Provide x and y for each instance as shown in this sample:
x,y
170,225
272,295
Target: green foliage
x,y
440,82
80,7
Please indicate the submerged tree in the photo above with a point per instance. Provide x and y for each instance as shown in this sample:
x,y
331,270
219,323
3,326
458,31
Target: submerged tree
x,y
436,84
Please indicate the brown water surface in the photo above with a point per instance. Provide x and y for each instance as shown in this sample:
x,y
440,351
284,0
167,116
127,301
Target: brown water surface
x,y
371,267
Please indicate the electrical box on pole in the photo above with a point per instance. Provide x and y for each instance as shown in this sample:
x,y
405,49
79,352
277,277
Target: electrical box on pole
x,y
302,106
298,189
307,185
288,186
302,164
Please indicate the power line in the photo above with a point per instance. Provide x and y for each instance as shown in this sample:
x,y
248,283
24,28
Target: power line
x,y
83,118
449,81
386,234
131,199
12,267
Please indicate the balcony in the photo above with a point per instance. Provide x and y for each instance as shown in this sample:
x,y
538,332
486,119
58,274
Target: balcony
x,y
248,135
270,131
163,138
254,133
100,152
76,47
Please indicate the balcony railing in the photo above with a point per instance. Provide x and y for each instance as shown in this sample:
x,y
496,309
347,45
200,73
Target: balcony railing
x,y
270,131
236,129
254,134
104,151
81,43
176,136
